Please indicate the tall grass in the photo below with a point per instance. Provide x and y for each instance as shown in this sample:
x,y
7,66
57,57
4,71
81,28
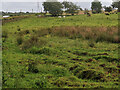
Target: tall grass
x,y
34,41
93,34
109,34
97,34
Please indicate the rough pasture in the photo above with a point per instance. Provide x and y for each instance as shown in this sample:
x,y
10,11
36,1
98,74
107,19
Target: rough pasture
x,y
57,52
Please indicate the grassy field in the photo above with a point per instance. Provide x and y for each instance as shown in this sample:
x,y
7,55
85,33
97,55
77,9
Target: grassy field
x,y
52,52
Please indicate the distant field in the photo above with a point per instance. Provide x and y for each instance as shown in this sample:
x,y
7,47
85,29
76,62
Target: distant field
x,y
52,52
80,20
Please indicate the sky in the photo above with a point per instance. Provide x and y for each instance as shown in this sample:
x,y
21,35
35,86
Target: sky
x,y
52,0
29,5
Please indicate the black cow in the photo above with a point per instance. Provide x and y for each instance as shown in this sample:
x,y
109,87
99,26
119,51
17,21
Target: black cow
x,y
107,14
88,14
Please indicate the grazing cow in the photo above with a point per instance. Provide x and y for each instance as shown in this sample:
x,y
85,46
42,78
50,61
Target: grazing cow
x,y
59,16
107,14
88,14
64,16
72,14
39,16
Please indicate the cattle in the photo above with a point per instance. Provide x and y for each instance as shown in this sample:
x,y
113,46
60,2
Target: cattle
x,y
72,14
63,16
59,16
39,16
88,14
107,14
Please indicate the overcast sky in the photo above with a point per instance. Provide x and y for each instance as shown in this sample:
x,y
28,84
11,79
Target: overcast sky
x,y
58,0
28,5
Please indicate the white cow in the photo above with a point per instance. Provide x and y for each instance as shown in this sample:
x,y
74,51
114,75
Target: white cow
x,y
59,16
64,16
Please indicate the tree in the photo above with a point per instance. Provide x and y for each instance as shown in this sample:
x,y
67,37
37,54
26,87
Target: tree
x,y
70,7
53,7
108,9
96,6
66,4
116,4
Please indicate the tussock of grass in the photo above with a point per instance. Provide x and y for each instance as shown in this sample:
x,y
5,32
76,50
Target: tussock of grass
x,y
33,42
4,34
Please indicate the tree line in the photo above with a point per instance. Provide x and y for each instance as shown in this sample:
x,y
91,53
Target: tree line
x,y
56,8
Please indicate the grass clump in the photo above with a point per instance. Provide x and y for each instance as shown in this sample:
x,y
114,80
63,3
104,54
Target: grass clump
x,y
60,72
34,41
44,50
4,34
91,44
32,67
19,40
91,74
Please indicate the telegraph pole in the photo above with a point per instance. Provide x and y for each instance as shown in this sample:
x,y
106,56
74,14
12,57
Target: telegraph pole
x,y
38,7
32,10
20,10
41,9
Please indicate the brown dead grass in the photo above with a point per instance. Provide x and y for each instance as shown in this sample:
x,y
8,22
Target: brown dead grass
x,y
109,34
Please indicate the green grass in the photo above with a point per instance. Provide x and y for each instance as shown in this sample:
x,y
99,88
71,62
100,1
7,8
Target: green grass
x,y
81,20
54,61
